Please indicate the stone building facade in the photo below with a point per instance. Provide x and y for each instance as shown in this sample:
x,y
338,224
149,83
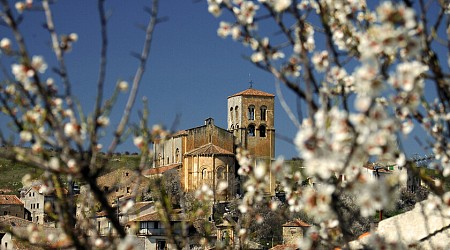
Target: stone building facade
x,y
35,198
206,154
294,230
251,119
11,205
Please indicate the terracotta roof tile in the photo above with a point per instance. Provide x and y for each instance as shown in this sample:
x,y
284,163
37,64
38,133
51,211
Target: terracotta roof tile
x,y
252,92
10,200
209,149
154,216
160,170
37,188
296,223
13,221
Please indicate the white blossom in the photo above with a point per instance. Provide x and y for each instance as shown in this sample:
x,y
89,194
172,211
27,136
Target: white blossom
x,y
5,44
38,63
26,135
123,86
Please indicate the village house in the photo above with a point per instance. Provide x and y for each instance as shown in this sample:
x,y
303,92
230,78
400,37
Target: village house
x,y
49,236
12,205
121,184
153,229
34,199
294,230
104,226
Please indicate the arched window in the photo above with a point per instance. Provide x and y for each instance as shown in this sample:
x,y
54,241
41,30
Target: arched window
x,y
236,111
262,131
167,160
204,174
251,112
263,113
251,130
220,173
177,155
231,113
232,127
160,159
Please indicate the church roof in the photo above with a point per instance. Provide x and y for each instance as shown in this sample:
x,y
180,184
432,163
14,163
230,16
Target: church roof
x,y
209,149
252,92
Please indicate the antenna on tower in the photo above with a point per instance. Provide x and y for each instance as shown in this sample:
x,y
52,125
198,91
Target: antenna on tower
x,y
250,81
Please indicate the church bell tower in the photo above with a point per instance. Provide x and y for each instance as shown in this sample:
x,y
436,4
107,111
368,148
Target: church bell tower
x,y
251,119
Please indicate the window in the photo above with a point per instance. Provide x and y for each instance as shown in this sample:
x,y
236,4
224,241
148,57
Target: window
x,y
263,113
251,130
160,160
262,131
167,160
232,127
5,213
220,173
204,173
251,112
128,190
177,155
236,112
106,188
126,174
161,244
143,225
37,219
231,113
156,225
37,205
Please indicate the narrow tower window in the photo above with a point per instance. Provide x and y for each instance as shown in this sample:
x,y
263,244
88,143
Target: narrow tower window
x,y
263,113
177,155
262,131
251,130
251,112
231,114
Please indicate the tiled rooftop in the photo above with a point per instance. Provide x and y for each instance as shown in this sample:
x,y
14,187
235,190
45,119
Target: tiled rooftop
x,y
9,200
252,92
13,221
296,223
160,170
209,149
176,215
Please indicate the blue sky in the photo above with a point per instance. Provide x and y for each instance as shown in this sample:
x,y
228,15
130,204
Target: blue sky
x,y
191,71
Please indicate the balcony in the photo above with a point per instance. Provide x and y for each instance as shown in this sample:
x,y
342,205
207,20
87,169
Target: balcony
x,y
151,231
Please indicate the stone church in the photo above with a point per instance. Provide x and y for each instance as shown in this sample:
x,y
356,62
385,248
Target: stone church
x,y
206,154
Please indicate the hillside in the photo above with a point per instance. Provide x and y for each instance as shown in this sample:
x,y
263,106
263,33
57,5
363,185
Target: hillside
x,y
11,172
